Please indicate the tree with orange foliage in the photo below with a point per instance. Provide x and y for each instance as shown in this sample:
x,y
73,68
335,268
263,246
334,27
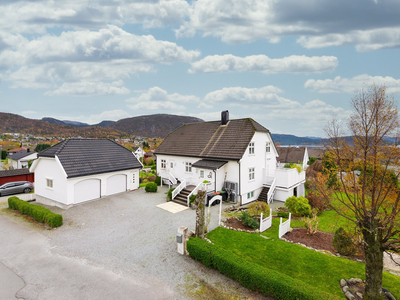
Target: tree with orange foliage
x,y
370,197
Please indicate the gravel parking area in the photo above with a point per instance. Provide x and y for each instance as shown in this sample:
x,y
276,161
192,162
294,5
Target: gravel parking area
x,y
123,245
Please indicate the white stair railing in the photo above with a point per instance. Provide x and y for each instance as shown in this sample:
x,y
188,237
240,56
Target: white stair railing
x,y
192,192
178,189
271,191
169,176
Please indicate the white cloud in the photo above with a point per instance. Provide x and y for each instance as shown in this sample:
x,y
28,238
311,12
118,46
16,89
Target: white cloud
x,y
367,40
36,16
85,88
110,54
156,98
351,85
264,64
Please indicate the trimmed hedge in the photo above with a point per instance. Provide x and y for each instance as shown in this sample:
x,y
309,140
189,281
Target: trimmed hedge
x,y
250,275
39,213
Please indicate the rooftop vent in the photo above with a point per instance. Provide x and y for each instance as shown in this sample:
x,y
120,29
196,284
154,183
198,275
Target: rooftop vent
x,y
224,117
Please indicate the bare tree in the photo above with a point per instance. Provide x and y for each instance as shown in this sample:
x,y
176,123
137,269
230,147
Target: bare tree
x,y
370,197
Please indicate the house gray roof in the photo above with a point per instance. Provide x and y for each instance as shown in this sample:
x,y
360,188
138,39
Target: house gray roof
x,y
7,173
209,164
82,157
19,155
291,154
211,139
316,152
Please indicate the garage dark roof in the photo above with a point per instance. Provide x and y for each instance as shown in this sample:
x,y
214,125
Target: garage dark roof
x,y
15,172
291,154
211,139
82,157
209,164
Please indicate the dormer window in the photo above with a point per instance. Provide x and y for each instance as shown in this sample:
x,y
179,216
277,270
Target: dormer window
x,y
251,148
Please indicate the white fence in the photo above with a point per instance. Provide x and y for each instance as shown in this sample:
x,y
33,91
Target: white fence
x,y
27,197
267,222
285,226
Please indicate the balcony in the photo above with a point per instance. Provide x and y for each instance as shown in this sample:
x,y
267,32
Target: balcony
x,y
288,177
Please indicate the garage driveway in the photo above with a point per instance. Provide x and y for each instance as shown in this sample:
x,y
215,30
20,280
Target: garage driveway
x,y
118,247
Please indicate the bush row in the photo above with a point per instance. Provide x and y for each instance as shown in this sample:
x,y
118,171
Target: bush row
x,y
250,275
39,213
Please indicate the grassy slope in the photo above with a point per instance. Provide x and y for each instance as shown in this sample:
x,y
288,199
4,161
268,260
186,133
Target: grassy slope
x,y
317,269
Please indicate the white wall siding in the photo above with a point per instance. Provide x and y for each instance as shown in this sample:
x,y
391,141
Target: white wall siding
x,y
48,168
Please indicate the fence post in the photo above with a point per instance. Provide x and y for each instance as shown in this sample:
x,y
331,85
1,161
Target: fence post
x,y
261,222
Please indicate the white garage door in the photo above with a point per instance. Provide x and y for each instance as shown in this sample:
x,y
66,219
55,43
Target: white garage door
x,y
116,184
86,190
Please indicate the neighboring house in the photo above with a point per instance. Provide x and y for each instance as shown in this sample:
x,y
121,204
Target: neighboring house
x,y
236,155
297,155
16,150
78,170
318,153
150,154
20,159
16,175
138,151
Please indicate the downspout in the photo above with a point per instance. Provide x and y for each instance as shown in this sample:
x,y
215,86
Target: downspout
x,y
239,193
215,181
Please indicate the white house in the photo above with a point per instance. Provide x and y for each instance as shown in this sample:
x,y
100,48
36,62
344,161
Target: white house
x,y
138,151
293,155
234,155
78,170
20,159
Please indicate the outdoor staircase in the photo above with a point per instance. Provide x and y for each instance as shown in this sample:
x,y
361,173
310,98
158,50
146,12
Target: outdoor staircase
x,y
264,195
181,198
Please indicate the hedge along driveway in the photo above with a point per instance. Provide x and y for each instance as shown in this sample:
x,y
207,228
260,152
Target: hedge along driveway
x,y
314,268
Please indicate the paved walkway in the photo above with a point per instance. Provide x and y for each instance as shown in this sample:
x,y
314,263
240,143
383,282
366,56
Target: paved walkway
x,y
10,283
118,247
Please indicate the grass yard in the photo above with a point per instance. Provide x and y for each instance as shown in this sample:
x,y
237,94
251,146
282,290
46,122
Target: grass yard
x,y
314,268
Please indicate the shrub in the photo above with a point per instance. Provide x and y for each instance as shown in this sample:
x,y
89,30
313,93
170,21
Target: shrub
x,y
343,242
192,198
39,213
149,161
283,214
312,160
153,167
311,223
316,202
141,159
152,178
158,180
151,187
249,221
298,206
258,207
252,276
169,194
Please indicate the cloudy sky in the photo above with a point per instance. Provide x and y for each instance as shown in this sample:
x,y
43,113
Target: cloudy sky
x,y
288,64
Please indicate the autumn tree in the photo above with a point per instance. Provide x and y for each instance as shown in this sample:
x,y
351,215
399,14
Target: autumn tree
x,y
367,167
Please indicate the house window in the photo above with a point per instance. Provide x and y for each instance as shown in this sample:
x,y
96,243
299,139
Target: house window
x,y
201,173
49,183
163,164
171,165
251,148
250,195
268,148
188,167
251,173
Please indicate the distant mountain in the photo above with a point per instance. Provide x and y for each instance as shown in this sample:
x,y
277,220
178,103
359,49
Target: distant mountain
x,y
105,123
74,123
159,125
18,124
53,121
288,139
64,122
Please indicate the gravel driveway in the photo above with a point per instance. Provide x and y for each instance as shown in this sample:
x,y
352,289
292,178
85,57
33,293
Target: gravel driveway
x,y
119,247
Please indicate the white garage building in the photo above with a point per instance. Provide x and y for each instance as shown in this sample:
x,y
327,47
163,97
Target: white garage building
x,y
78,170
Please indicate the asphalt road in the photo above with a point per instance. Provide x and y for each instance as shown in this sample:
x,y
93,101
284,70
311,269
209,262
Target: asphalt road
x,y
118,247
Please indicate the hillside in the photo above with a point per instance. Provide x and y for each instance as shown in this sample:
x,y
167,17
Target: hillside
x,y
159,125
288,139
16,123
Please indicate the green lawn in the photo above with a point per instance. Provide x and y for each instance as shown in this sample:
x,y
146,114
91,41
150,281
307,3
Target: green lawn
x,y
314,268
